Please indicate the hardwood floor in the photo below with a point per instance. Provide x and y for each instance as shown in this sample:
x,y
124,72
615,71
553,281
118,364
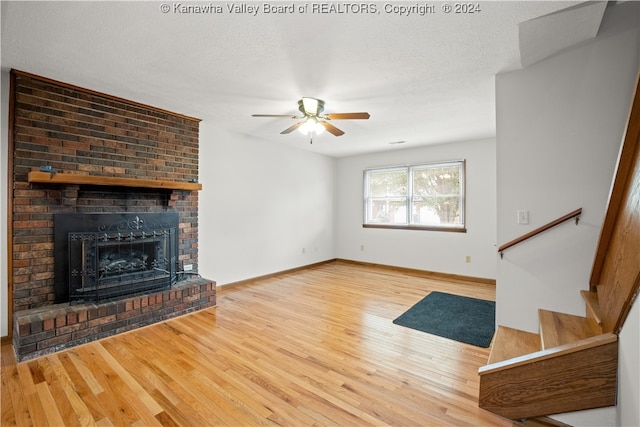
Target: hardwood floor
x,y
313,347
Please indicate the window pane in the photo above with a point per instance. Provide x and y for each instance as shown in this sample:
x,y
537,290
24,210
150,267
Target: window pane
x,y
387,211
388,183
436,210
438,180
437,195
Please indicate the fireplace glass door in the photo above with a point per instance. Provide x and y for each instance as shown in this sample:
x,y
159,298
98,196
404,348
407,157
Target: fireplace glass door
x,y
130,255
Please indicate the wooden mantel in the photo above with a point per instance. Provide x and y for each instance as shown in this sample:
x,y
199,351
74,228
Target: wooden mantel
x,y
72,178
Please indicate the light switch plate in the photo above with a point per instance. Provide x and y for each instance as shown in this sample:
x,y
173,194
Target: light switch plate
x,y
523,217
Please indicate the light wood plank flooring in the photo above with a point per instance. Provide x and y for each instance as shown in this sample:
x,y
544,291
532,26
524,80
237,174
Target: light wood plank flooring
x,y
313,347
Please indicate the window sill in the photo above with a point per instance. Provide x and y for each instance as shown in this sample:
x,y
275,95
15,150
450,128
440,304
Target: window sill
x,y
417,227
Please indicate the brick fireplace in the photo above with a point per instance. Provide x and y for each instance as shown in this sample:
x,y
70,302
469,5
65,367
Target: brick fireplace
x,y
79,152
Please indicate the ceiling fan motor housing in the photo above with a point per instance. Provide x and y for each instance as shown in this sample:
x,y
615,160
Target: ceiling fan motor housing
x,y
311,106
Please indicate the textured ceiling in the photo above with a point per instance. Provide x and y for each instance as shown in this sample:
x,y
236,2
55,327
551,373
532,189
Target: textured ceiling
x,y
424,79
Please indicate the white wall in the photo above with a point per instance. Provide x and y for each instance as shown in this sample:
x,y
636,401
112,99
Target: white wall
x,y
260,206
4,152
560,124
559,127
629,374
425,250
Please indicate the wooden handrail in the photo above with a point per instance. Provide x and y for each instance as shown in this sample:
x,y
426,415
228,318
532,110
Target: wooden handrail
x,y
575,214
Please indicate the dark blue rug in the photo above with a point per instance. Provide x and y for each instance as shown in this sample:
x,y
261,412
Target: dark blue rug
x,y
468,320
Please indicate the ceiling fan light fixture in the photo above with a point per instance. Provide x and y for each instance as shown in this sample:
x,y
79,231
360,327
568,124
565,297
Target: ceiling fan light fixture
x,y
308,126
311,125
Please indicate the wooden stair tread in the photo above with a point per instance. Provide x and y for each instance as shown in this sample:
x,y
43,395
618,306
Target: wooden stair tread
x,y
509,343
593,306
557,329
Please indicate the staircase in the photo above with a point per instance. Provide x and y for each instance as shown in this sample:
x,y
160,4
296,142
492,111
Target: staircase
x,y
572,363
569,366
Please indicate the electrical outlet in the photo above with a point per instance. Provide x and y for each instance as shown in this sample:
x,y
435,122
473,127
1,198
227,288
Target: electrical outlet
x,y
187,267
467,259
303,250
362,247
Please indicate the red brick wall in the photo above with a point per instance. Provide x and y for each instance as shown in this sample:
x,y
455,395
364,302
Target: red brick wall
x,y
79,131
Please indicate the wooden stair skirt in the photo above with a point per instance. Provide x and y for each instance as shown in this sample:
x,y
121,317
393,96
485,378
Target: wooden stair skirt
x,y
524,379
571,365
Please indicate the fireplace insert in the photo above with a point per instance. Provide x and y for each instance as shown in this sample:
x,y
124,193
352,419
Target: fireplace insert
x,y
106,256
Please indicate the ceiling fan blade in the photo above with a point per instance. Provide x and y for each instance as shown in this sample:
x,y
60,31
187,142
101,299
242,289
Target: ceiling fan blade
x,y
348,116
289,116
332,129
291,128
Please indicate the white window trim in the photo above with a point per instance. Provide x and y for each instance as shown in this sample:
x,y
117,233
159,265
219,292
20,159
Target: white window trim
x,y
409,198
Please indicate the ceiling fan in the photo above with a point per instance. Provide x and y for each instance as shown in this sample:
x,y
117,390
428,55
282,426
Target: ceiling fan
x,y
313,120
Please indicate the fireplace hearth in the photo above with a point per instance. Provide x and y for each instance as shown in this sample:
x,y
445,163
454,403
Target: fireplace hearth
x,y
100,257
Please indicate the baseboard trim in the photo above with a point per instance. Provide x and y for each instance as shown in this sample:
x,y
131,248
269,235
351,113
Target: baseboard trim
x,y
410,271
252,280
423,273
6,340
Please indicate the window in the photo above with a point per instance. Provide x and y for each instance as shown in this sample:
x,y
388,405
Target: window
x,y
426,196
